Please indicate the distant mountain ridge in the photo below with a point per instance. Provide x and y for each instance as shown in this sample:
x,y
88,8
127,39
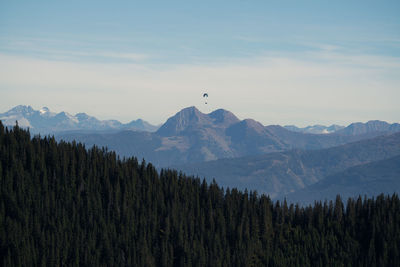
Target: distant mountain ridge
x,y
358,128
315,129
44,121
191,136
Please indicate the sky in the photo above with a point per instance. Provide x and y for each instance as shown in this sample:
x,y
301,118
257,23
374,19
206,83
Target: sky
x,y
278,62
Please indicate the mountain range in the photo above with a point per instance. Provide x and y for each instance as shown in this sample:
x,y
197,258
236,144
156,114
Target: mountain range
x,y
44,121
191,136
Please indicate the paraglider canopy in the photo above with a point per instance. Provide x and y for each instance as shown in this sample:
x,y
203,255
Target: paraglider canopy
x,y
205,95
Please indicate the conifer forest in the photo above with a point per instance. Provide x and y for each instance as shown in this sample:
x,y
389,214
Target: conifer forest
x,y
64,204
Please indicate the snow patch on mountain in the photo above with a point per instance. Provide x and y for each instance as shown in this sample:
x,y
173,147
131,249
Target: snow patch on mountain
x,y
315,129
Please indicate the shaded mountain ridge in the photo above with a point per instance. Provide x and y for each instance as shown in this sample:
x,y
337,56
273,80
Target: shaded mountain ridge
x,y
284,172
371,179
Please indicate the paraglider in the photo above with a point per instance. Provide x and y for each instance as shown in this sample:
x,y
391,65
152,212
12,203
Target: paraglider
x,y
205,96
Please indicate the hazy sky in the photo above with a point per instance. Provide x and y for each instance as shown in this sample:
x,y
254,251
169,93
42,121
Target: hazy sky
x,y
279,62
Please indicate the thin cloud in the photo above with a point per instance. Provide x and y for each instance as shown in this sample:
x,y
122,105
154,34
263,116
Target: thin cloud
x,y
42,48
316,88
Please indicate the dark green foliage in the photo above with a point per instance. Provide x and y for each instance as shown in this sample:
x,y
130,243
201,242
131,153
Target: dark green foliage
x,y
64,205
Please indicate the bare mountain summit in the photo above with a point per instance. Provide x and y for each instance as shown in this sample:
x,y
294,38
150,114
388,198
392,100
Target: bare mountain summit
x,y
191,118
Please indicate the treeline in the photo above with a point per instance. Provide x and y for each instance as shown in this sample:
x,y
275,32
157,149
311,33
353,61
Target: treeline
x,y
64,205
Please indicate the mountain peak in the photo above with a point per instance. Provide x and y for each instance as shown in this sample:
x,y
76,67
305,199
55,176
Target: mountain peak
x,y
21,109
82,116
190,114
44,110
184,119
141,125
223,117
189,110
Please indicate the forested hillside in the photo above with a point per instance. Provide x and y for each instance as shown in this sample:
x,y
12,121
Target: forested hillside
x,y
64,205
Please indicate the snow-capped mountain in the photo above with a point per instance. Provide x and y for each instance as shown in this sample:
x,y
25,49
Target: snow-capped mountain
x,y
44,121
315,129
